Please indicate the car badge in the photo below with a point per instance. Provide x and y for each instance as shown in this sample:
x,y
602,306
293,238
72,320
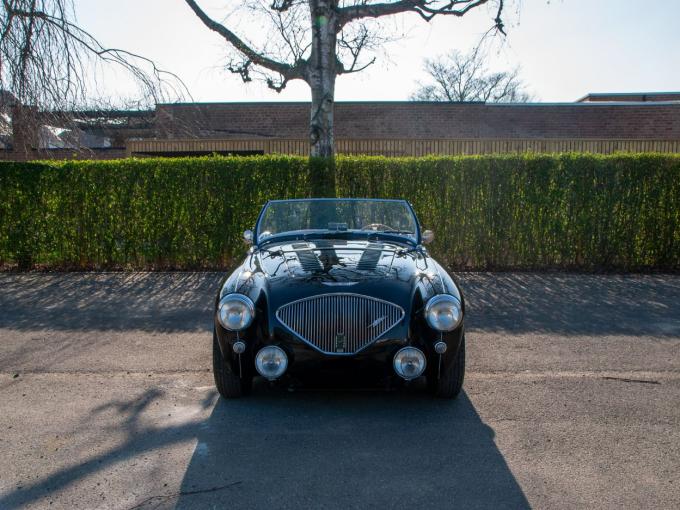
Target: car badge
x,y
340,342
377,322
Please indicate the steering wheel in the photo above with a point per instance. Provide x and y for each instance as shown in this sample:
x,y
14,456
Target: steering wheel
x,y
378,226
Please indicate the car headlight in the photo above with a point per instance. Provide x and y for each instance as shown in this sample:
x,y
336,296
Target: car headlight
x,y
409,363
235,312
443,312
271,362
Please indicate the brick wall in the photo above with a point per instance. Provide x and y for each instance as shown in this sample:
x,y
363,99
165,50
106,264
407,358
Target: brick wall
x,y
424,120
383,121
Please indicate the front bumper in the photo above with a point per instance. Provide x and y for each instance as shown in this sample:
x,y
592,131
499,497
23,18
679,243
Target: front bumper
x,y
376,358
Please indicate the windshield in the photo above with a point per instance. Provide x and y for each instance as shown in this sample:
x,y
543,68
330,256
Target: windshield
x,y
335,216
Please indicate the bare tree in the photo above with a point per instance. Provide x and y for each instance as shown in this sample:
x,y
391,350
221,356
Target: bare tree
x,y
317,40
459,77
48,62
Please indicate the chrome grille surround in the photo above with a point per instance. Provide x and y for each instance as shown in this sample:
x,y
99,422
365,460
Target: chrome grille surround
x,y
340,323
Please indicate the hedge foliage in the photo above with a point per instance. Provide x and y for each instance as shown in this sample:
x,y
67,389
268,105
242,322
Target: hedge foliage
x,y
573,211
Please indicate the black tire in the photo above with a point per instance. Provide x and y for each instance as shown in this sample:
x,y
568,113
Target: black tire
x,y
228,384
451,381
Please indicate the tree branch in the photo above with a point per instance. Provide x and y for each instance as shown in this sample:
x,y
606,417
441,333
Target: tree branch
x,y
465,77
354,45
287,71
427,9
499,21
281,5
50,48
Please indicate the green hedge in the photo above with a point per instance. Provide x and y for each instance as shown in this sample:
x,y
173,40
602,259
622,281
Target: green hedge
x,y
488,212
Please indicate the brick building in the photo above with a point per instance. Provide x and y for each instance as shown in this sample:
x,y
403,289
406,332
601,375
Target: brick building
x,y
596,123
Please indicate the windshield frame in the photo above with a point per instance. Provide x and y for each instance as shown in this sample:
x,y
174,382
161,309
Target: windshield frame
x,y
355,234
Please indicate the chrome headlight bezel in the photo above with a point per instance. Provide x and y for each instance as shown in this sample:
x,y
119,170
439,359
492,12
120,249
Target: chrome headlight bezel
x,y
238,300
439,302
417,356
268,352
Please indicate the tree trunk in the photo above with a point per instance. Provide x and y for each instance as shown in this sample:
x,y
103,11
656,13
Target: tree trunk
x,y
321,76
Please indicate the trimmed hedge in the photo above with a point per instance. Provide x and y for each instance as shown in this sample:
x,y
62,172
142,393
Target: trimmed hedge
x,y
572,211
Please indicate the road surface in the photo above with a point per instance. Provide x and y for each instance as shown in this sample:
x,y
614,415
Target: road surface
x,y
107,401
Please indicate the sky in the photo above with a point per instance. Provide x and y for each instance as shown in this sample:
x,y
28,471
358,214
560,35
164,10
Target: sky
x,y
564,48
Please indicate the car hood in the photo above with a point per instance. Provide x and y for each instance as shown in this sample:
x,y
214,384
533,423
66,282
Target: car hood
x,y
329,260
380,269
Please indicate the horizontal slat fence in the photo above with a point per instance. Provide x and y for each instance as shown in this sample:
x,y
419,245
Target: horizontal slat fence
x,y
405,147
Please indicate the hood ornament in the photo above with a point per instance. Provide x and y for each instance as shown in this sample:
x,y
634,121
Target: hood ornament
x,y
377,322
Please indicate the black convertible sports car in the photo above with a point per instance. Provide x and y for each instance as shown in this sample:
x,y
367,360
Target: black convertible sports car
x,y
344,282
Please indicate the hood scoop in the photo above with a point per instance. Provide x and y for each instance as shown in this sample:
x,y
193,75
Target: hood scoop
x,y
369,259
307,258
336,259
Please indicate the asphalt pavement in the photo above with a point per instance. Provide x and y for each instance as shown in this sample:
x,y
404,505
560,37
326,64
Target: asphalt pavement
x,y
107,401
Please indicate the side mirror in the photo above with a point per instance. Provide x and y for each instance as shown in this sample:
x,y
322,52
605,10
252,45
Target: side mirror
x,y
427,236
248,236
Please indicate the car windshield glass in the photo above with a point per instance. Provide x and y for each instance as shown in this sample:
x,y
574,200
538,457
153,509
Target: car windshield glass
x,y
359,216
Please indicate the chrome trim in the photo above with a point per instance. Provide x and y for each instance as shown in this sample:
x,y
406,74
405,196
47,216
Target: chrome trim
x,y
443,297
320,321
394,362
236,297
258,361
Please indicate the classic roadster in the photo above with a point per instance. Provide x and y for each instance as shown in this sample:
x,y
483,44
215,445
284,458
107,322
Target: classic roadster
x,y
343,282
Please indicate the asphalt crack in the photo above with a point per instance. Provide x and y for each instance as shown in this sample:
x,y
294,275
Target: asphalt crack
x,y
625,379
165,497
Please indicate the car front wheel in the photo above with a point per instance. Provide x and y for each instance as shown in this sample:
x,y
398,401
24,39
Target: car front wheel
x,y
228,384
450,381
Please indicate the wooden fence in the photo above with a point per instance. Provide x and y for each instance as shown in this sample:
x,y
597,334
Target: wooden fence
x,y
399,147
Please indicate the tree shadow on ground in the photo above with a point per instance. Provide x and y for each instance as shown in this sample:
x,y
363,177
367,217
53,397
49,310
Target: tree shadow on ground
x,y
347,447
561,303
160,302
337,447
572,304
140,439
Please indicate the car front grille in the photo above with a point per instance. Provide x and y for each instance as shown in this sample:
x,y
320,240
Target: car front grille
x,y
341,323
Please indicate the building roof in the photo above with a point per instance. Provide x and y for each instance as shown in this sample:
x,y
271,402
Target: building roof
x,y
641,97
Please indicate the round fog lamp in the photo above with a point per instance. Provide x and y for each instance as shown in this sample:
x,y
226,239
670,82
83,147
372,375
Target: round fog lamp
x,y
271,362
409,363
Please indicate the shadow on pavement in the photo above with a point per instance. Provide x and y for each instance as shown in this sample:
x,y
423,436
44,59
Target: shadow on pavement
x,y
569,304
140,439
572,304
339,448
347,449
160,302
